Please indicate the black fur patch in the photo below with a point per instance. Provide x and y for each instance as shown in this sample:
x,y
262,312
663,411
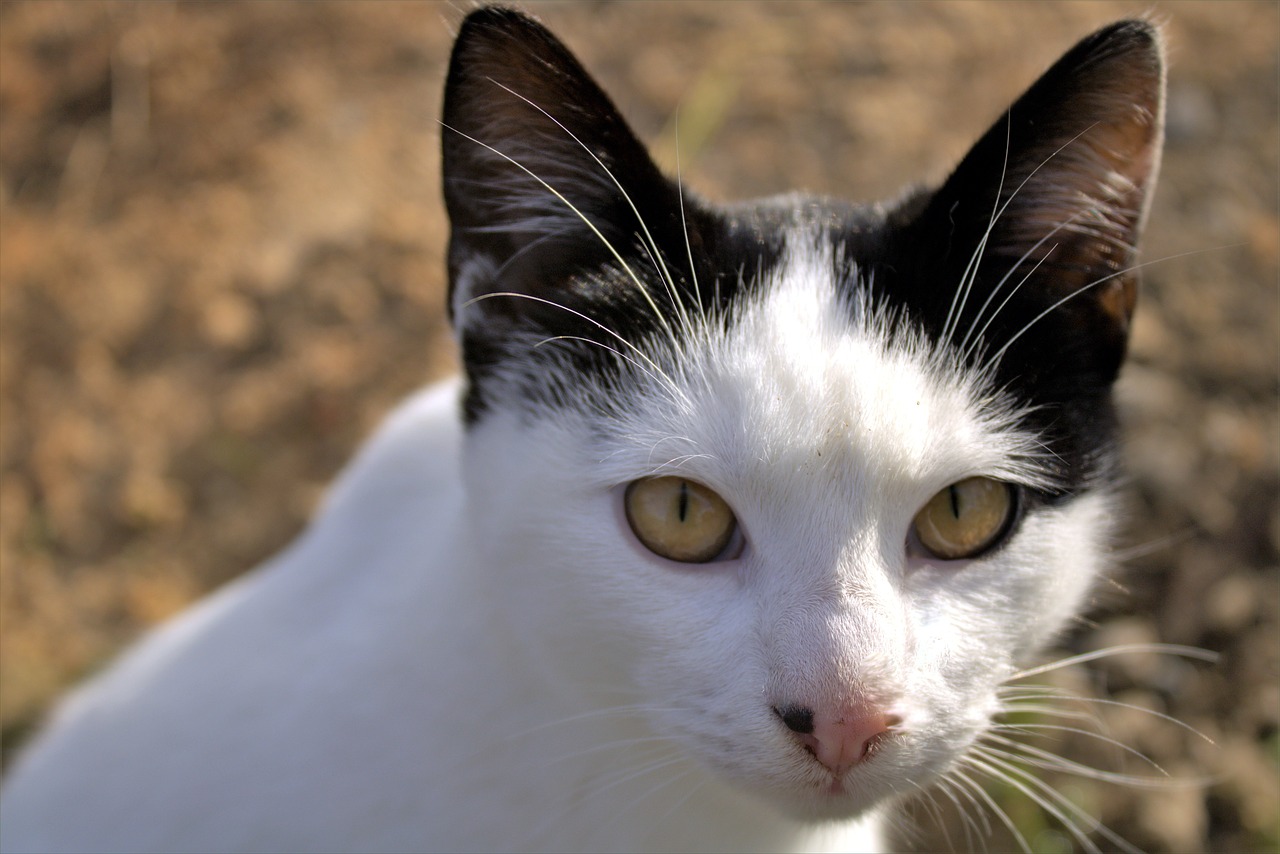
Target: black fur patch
x,y
530,143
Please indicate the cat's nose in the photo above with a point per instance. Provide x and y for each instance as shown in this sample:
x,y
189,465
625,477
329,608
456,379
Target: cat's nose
x,y
838,738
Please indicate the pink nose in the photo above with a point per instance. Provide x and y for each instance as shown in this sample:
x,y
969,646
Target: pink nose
x,y
838,739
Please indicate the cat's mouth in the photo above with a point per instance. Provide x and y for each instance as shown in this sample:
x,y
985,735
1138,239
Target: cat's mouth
x,y
829,796
837,786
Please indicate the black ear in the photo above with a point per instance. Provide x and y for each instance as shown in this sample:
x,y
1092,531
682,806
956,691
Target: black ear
x,y
1045,212
541,173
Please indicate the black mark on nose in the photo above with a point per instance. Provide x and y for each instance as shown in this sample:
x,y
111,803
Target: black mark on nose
x,y
797,718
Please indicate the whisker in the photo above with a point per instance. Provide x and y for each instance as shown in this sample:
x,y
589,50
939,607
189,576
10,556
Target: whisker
x,y
607,712
650,244
1052,761
995,358
970,792
670,383
653,451
616,744
1120,649
990,802
966,351
1022,705
528,247
1153,546
1161,715
971,271
628,773
1053,801
678,462
644,292
926,799
684,225
693,790
660,380
623,775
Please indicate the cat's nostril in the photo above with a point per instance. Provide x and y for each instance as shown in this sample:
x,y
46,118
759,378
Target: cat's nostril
x,y
797,718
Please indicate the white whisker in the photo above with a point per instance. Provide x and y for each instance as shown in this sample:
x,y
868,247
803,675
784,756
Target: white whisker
x,y
973,796
1161,715
1155,546
981,793
1053,801
670,384
967,350
1053,762
640,287
649,243
684,225
971,270
1121,649
663,381
995,358
970,274
926,799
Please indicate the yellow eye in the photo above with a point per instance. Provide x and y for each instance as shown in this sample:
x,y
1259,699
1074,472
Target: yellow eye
x,y
966,518
679,519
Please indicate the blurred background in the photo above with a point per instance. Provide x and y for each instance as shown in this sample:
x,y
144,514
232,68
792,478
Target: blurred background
x,y
221,242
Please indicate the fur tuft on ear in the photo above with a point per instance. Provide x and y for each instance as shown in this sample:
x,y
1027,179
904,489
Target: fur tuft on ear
x,y
1047,207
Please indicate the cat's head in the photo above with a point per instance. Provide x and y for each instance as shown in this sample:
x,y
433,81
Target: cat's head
x,y
803,479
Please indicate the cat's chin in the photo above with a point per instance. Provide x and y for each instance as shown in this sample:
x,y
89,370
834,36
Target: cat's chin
x,y
832,802
820,807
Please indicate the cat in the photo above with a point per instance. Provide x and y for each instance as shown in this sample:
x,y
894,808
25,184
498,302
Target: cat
x,y
727,539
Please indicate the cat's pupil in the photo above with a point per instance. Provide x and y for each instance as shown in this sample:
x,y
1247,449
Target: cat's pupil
x,y
955,501
682,508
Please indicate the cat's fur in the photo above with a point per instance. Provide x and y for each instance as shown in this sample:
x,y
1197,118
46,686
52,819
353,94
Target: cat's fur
x,y
469,649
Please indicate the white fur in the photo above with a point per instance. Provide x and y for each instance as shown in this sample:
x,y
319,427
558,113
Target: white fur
x,y
482,657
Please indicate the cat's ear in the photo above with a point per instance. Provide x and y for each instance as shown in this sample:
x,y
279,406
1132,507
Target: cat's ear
x,y
540,171
1048,206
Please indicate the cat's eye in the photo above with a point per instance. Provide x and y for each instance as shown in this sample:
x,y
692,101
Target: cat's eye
x,y
966,518
679,519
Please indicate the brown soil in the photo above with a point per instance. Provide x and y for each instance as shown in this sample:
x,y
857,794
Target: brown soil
x,y
221,264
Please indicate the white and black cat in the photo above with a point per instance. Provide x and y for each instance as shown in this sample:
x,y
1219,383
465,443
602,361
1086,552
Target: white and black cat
x,y
728,539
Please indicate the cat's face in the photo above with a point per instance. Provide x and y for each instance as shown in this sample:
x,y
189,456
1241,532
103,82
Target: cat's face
x,y
801,482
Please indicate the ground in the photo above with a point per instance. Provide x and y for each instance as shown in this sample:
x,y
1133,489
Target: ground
x,y
221,261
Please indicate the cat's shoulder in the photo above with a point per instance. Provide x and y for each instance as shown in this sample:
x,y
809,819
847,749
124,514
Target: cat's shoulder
x,y
218,686
413,455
